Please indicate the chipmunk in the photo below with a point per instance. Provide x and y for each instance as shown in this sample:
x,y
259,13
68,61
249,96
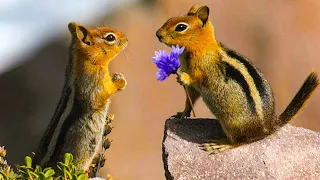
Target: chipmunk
x,y
78,122
233,89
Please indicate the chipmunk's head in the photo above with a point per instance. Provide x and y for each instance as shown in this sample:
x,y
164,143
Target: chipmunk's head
x,y
97,45
192,30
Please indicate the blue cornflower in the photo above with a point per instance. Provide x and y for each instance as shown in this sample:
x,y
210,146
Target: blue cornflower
x,y
167,63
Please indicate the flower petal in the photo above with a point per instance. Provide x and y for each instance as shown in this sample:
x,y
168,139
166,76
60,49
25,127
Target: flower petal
x,y
162,75
167,63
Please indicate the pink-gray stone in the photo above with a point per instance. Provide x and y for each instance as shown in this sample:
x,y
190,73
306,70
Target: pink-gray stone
x,y
290,153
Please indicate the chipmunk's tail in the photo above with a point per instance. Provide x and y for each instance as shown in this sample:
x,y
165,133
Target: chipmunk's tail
x,y
308,87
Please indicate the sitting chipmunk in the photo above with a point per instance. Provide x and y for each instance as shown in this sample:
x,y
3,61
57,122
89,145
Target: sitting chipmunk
x,y
78,123
233,89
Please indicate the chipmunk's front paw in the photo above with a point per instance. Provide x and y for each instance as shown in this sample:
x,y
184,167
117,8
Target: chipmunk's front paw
x,y
119,80
184,79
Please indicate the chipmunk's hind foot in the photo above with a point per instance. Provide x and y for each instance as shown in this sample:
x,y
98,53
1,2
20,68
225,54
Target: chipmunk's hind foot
x,y
217,146
181,115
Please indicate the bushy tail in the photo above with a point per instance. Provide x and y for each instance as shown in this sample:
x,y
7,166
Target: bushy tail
x,y
309,85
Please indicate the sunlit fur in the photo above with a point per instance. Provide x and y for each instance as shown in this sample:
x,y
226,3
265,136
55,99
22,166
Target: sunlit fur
x,y
234,89
91,61
79,120
194,39
99,52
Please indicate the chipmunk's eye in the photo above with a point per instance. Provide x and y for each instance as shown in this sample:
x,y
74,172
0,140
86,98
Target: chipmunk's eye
x,y
110,38
181,27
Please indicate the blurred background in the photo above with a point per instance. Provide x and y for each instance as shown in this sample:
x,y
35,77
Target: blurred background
x,y
281,37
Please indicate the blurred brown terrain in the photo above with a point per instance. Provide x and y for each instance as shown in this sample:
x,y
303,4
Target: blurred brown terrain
x,y
281,37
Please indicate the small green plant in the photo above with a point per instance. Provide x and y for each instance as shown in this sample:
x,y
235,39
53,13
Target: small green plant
x,y
28,172
69,169
66,170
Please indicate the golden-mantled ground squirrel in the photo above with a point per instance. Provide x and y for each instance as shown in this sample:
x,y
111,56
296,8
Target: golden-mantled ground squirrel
x,y
231,86
78,122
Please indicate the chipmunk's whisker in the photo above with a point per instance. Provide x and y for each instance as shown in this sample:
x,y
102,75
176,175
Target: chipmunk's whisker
x,y
126,59
129,53
163,46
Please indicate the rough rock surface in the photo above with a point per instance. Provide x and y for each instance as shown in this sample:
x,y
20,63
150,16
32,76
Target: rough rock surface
x,y
290,153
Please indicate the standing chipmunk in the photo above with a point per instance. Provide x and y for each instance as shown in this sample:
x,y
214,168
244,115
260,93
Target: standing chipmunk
x,y
233,89
78,122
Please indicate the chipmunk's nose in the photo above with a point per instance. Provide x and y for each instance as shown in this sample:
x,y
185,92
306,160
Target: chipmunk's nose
x,y
159,35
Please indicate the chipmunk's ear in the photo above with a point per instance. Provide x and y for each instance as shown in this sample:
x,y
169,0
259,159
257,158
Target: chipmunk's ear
x,y
193,10
80,32
203,14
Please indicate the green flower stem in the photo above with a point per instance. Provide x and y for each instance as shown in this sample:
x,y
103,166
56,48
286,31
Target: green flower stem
x,y
189,98
191,104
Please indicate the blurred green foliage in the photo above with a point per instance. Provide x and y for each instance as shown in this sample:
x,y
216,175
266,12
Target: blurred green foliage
x,y
67,170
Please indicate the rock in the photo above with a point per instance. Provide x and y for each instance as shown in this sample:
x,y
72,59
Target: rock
x,y
291,152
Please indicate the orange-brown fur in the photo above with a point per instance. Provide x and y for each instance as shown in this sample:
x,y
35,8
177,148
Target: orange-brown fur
x,y
94,60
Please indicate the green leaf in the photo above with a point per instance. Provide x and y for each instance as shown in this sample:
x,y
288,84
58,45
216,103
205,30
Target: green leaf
x,y
38,169
46,169
82,177
60,166
74,177
42,176
3,176
58,178
63,167
68,174
68,158
73,169
25,168
49,173
33,174
28,161
12,175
